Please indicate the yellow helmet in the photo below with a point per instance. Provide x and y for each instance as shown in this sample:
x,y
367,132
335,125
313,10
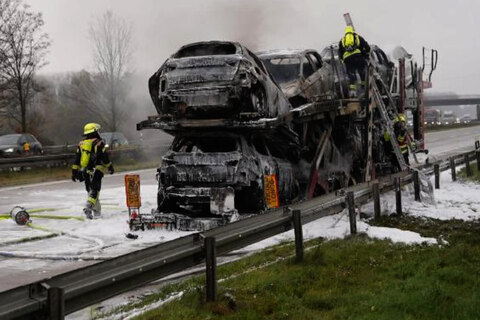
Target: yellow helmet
x,y
400,117
349,29
90,128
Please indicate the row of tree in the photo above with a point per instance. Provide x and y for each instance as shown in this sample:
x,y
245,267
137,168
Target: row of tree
x,y
58,105
23,47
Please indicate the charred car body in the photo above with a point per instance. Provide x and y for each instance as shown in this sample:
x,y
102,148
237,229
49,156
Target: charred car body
x,y
240,148
215,79
208,177
213,170
301,74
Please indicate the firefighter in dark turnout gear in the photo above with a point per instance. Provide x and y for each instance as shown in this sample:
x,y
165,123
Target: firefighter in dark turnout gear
x,y
354,51
402,137
400,130
91,163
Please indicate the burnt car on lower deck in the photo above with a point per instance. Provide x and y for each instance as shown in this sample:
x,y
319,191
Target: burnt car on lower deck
x,y
216,79
221,174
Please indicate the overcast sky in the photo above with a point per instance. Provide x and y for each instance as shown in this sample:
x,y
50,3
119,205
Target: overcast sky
x,y
161,27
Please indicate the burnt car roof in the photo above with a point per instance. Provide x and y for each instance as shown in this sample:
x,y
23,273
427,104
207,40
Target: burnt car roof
x,y
283,52
208,48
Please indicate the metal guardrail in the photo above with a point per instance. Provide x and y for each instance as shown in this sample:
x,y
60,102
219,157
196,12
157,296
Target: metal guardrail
x,y
63,294
66,148
65,159
37,161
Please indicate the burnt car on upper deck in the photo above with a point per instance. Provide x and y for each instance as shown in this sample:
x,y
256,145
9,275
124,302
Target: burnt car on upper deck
x,y
379,60
301,74
216,79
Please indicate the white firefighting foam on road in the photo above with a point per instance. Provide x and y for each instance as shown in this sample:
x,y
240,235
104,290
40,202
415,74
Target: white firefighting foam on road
x,y
453,201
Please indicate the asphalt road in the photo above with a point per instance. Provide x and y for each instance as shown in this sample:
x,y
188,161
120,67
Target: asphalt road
x,y
439,142
12,275
27,197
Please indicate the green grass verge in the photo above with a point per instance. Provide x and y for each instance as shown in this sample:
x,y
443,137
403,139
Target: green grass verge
x,y
355,278
37,175
475,177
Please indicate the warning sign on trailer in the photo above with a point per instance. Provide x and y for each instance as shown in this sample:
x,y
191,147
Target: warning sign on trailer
x,y
132,190
271,191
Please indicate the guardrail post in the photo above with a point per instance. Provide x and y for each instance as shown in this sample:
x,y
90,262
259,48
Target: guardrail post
x,y
351,212
297,226
376,200
416,185
398,195
467,165
477,154
211,268
453,169
436,170
56,303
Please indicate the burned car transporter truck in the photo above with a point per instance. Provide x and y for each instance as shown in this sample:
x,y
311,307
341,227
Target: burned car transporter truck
x,y
240,148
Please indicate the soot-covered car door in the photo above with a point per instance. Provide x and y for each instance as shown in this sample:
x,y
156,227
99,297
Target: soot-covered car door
x,y
318,77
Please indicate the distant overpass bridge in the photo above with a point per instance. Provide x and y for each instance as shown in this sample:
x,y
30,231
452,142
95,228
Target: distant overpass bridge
x,y
437,101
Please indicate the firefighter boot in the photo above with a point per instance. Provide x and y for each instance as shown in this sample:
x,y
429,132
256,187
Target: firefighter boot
x,y
91,207
97,210
88,211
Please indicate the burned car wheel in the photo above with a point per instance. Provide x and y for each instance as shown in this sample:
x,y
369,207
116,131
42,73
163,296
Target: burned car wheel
x,y
163,204
249,199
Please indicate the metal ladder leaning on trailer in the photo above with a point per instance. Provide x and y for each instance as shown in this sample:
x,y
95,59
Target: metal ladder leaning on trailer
x,y
377,101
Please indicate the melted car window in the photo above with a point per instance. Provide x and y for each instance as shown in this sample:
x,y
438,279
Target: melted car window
x,y
313,59
307,67
275,151
205,144
283,69
259,145
206,49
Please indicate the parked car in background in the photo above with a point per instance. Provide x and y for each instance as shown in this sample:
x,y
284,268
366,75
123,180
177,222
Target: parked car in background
x,y
432,117
301,74
466,118
19,144
114,139
448,117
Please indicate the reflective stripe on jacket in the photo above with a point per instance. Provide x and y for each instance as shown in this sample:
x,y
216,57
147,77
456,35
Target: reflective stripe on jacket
x,y
402,143
351,43
92,154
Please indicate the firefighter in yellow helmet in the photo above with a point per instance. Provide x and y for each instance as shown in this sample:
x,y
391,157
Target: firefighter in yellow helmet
x,y
354,51
400,130
91,163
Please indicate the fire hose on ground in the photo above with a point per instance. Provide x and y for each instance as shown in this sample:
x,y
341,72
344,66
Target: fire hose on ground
x,y
22,217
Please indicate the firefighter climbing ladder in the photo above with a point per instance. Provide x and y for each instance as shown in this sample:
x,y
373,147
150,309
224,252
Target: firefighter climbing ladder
x,y
378,100
394,112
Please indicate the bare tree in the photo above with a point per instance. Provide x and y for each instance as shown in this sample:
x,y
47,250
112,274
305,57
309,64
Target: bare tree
x,y
111,38
23,47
